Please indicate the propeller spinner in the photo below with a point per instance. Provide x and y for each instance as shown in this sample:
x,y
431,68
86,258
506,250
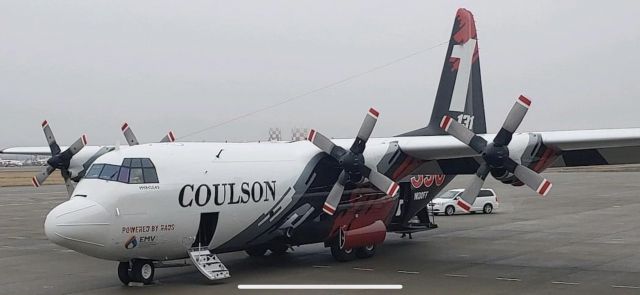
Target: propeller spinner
x,y
496,154
354,169
59,159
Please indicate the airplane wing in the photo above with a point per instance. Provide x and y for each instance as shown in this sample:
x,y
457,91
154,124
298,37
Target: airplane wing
x,y
32,151
537,150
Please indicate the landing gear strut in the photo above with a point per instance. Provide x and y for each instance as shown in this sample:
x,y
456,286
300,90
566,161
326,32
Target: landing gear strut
x,y
136,271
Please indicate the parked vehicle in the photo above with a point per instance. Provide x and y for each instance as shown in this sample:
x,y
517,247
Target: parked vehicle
x,y
487,201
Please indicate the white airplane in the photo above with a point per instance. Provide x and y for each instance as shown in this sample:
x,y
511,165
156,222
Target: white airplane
x,y
11,163
146,205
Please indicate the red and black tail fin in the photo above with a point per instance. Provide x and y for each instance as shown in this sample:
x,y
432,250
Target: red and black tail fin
x,y
460,90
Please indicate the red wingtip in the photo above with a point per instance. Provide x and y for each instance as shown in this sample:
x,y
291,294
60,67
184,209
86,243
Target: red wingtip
x,y
35,182
172,136
44,123
84,139
524,101
124,126
312,135
374,113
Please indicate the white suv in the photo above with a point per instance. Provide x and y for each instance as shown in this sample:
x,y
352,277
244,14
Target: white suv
x,y
445,203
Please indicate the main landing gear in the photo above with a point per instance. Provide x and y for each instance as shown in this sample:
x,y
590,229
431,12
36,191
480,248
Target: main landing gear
x,y
344,255
136,271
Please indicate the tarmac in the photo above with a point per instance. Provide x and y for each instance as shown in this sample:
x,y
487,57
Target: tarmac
x,y
583,238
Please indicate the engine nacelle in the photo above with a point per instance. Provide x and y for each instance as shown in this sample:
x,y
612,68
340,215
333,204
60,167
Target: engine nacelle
x,y
372,234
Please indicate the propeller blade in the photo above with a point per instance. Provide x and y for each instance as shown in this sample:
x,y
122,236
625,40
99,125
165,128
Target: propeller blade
x,y
470,194
463,134
70,186
170,137
512,122
51,140
333,199
365,131
66,175
77,145
39,179
531,178
382,182
128,134
325,144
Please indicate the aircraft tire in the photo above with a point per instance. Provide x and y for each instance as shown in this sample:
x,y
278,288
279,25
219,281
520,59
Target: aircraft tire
x,y
123,273
342,255
366,252
257,251
142,271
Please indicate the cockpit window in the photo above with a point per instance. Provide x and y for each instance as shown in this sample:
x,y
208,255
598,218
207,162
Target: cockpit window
x,y
150,175
94,171
110,172
133,170
126,162
135,163
136,176
124,174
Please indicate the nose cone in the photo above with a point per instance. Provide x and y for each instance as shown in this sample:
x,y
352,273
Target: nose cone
x,y
79,224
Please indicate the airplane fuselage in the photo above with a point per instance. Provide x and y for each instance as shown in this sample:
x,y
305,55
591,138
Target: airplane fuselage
x,y
247,194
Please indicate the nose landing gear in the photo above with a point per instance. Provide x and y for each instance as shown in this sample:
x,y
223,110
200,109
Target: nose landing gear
x,y
136,271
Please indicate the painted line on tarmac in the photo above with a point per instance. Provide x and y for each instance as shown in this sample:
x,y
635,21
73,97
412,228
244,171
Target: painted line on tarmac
x,y
624,287
409,272
453,275
321,266
363,269
508,279
565,283
320,287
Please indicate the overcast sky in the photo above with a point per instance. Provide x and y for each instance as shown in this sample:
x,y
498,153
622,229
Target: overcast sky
x,y
88,66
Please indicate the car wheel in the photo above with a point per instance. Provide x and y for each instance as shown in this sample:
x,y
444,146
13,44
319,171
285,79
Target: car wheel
x,y
123,273
449,211
366,252
487,209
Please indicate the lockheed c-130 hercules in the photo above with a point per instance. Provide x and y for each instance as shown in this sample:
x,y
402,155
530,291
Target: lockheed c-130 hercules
x,y
144,205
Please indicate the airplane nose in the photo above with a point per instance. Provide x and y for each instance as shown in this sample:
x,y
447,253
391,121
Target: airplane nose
x,y
79,224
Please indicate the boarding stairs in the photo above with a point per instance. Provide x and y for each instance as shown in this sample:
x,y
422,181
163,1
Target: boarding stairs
x,y
208,263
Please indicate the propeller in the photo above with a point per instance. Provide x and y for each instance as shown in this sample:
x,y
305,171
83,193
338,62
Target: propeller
x,y
132,140
354,169
59,159
496,154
